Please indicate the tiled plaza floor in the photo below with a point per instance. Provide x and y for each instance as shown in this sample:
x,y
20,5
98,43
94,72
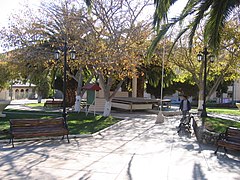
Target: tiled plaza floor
x,y
134,149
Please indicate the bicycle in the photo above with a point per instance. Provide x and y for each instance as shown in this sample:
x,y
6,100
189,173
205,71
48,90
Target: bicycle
x,y
185,123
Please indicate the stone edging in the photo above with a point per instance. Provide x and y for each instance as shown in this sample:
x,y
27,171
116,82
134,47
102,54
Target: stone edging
x,y
202,134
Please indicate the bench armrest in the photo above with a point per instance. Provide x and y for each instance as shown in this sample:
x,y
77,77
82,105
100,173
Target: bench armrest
x,y
221,136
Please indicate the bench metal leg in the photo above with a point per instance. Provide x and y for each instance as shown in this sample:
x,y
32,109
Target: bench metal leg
x,y
12,143
225,150
216,150
67,138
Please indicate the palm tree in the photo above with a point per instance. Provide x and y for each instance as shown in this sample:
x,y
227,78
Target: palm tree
x,y
214,13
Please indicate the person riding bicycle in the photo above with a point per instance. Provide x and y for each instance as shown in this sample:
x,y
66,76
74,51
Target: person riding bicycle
x,y
185,106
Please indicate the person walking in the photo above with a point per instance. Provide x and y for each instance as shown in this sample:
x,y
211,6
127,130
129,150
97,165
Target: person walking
x,y
185,106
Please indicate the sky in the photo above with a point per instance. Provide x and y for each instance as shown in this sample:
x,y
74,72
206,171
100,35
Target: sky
x,y
10,6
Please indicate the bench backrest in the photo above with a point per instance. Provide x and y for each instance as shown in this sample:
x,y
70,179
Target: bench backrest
x,y
25,123
233,134
54,102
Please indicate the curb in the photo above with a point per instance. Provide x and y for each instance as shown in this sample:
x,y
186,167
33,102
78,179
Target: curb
x,y
3,141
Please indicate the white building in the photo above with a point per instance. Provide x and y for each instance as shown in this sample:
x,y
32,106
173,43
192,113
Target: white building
x,y
18,91
236,90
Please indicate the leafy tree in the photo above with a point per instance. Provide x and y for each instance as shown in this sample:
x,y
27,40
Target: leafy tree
x,y
8,71
110,43
120,43
225,67
4,75
29,54
35,36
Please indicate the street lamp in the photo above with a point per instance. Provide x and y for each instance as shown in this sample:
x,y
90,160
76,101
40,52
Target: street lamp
x,y
203,56
57,57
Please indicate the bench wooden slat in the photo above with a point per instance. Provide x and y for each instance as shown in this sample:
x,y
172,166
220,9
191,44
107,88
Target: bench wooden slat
x,y
229,144
28,128
229,140
38,130
22,122
39,134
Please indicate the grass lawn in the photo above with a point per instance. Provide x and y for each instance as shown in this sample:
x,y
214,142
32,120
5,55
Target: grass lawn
x,y
78,123
232,111
219,125
35,104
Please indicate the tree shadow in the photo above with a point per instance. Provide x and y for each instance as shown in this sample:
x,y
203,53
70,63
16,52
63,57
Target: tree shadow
x,y
22,153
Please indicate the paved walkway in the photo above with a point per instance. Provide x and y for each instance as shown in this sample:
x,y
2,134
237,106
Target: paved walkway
x,y
134,149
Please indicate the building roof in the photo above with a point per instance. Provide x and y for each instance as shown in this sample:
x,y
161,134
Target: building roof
x,y
91,87
27,85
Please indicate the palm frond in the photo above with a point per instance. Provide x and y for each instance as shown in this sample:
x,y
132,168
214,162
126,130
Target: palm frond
x,y
164,30
161,11
159,36
219,14
190,7
204,6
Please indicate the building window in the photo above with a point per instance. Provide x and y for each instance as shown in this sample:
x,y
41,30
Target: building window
x,y
16,94
22,93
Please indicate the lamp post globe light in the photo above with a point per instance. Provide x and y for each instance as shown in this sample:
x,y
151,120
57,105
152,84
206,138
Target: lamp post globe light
x,y
57,54
203,56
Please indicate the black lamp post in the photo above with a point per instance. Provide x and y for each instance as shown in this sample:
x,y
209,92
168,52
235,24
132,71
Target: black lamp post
x,y
203,56
56,57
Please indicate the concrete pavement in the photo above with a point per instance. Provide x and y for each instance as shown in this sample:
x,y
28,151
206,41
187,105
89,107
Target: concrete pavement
x,y
134,149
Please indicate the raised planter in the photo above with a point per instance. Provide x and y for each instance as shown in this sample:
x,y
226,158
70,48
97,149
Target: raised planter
x,y
202,134
3,105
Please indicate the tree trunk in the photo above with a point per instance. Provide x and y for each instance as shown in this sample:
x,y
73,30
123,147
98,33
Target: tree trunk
x,y
70,92
200,96
78,99
39,98
78,77
77,106
107,108
140,86
215,86
200,100
107,96
70,96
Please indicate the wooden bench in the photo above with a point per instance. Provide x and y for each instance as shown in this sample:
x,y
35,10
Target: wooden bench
x,y
229,140
53,103
30,128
